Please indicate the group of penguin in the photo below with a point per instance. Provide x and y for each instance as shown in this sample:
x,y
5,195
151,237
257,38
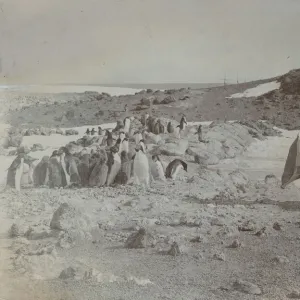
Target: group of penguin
x,y
107,166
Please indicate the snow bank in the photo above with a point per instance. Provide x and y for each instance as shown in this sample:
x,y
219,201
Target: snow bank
x,y
258,90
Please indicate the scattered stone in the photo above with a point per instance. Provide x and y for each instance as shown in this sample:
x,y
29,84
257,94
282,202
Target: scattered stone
x,y
216,222
71,132
174,250
236,244
246,287
136,240
37,147
219,256
247,226
68,273
277,226
14,231
271,178
294,295
197,239
280,259
261,232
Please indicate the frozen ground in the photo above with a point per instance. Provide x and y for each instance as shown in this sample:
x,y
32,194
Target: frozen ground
x,y
206,267
258,90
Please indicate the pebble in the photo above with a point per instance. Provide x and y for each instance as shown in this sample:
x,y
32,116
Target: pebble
x,y
236,244
280,259
219,256
294,295
246,287
68,273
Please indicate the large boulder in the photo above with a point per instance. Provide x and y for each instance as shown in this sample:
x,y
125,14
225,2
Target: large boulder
x,y
171,148
72,221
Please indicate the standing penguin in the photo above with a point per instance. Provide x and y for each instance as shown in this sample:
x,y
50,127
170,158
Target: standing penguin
x,y
57,177
69,166
199,133
183,119
125,108
137,137
87,131
99,172
41,172
156,128
170,128
109,138
119,126
122,135
100,131
161,127
127,122
174,167
114,165
159,167
84,169
93,131
124,146
124,174
15,172
116,147
141,170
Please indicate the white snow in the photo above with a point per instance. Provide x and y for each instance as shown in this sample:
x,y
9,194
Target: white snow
x,y
258,90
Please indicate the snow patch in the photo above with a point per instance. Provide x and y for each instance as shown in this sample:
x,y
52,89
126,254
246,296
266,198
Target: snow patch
x,y
258,90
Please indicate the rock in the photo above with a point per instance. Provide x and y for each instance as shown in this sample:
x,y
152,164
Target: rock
x,y
37,147
174,250
136,240
246,287
235,244
44,131
294,295
271,178
68,273
14,231
177,148
247,226
59,131
261,232
72,221
71,132
280,259
168,100
14,140
277,226
151,138
219,256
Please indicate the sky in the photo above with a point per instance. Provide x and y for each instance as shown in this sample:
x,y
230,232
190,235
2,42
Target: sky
x,y
147,41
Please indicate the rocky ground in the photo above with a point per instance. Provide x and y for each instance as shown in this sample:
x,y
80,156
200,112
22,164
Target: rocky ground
x,y
223,230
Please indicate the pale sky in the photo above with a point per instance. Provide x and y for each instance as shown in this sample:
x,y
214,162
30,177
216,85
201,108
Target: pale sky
x,y
147,41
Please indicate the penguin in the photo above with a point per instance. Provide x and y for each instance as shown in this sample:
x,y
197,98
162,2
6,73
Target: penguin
x,y
100,131
127,122
116,146
84,168
125,108
119,126
124,146
170,128
124,174
144,119
174,167
87,131
159,167
15,172
137,137
69,166
93,131
57,177
122,135
161,127
141,170
156,128
114,166
99,172
199,133
109,139
183,119
41,172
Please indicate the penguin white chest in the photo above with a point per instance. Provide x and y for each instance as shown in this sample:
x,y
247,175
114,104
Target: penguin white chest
x,y
175,171
141,168
127,125
160,170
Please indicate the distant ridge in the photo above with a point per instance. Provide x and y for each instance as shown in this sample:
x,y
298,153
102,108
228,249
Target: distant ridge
x,y
158,86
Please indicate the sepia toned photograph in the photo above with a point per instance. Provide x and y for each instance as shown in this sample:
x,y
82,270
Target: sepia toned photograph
x,y
149,149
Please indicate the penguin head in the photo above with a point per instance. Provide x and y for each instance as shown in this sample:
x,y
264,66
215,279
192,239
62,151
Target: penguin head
x,y
93,130
63,150
45,159
184,165
155,158
143,145
122,135
124,156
